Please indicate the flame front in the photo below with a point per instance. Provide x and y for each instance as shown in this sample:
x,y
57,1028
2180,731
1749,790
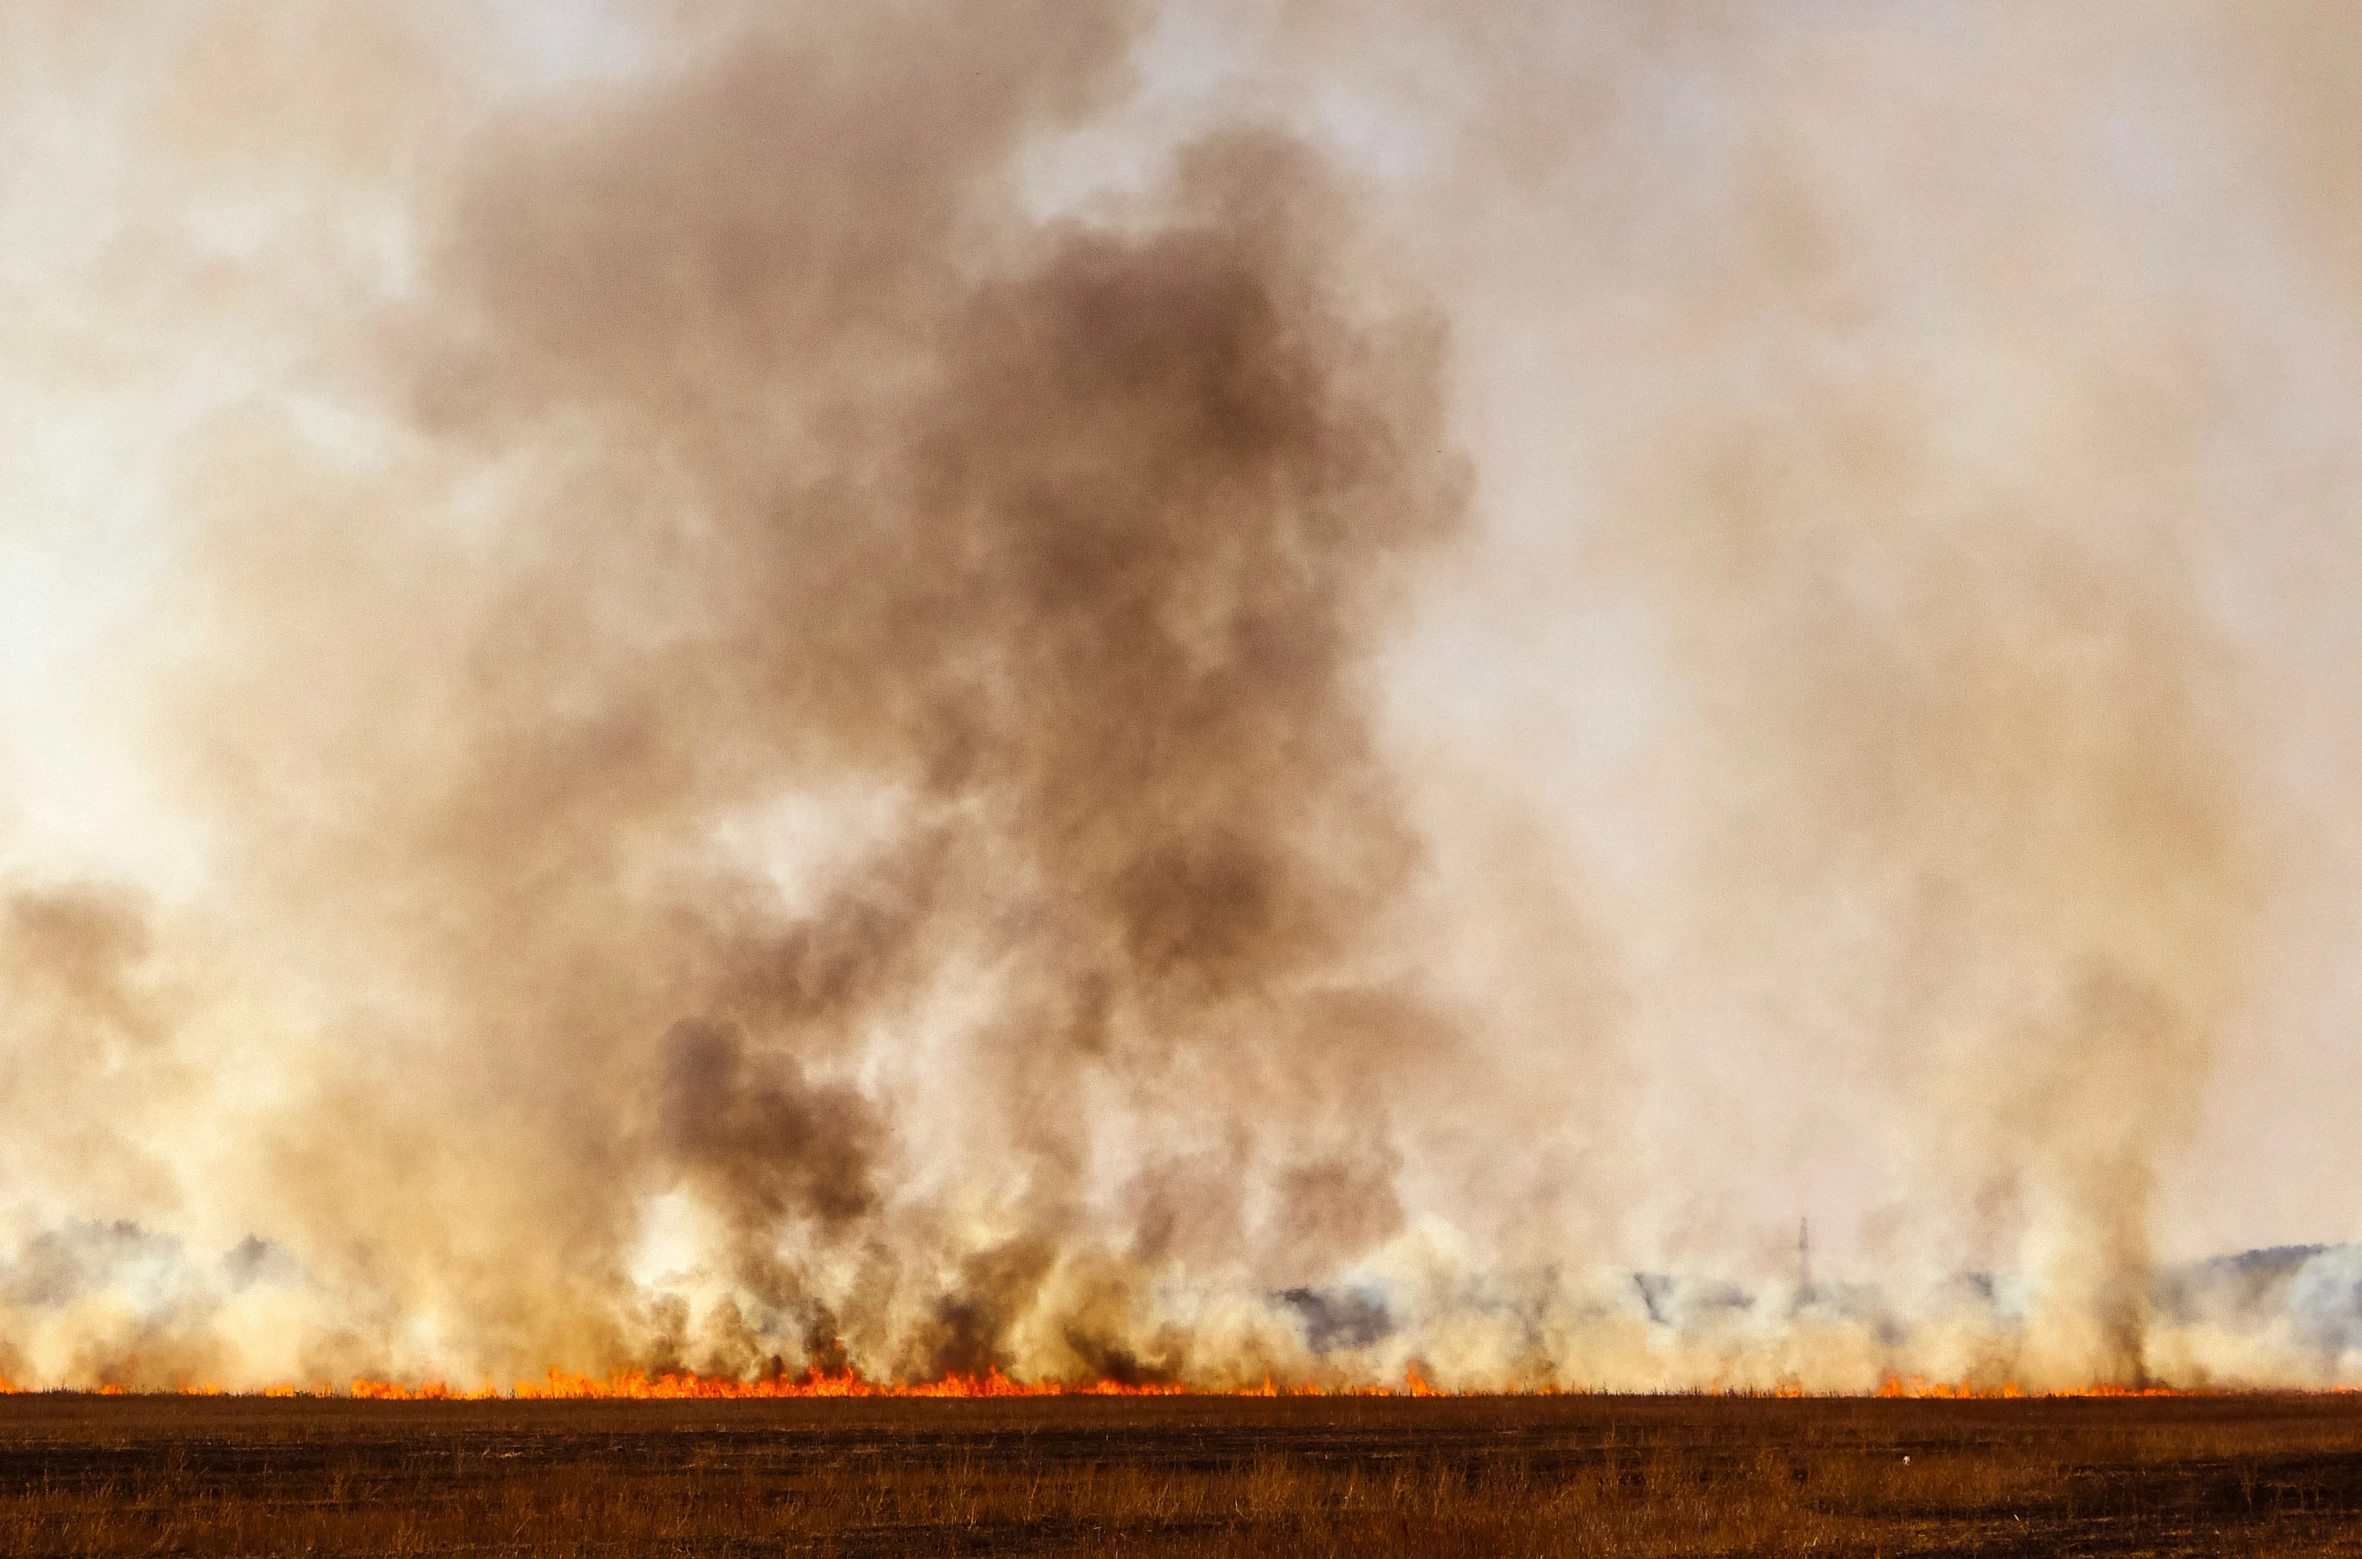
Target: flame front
x,y
680,1386
667,713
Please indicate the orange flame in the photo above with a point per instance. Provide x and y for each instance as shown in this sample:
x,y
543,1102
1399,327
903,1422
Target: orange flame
x,y
1919,1386
639,1386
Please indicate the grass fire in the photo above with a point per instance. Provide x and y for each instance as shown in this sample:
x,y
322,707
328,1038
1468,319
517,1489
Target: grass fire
x,y
1179,775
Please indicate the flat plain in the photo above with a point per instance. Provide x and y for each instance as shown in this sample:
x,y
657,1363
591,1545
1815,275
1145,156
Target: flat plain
x,y
2272,1475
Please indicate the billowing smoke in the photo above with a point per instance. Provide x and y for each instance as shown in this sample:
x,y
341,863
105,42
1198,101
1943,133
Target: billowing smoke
x,y
895,692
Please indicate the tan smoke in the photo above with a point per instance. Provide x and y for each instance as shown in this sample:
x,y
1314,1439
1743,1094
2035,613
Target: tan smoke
x,y
821,472
1914,459
815,740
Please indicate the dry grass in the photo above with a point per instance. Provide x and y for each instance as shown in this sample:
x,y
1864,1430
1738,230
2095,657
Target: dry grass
x,y
1582,1476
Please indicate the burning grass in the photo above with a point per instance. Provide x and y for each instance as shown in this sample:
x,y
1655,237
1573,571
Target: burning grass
x,y
1081,1474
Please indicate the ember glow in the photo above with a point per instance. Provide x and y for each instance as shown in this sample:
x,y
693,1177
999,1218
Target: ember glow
x,y
724,699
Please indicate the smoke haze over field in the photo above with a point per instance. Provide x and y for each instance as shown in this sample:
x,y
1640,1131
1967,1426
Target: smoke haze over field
x,y
1181,694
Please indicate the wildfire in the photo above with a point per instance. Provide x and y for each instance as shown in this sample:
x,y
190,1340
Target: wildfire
x,y
639,1386
1961,1391
636,1385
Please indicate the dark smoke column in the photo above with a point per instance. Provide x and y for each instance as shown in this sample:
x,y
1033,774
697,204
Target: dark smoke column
x,y
1035,566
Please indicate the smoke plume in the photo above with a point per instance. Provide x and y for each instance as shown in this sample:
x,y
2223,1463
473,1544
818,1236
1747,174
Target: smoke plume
x,y
1158,695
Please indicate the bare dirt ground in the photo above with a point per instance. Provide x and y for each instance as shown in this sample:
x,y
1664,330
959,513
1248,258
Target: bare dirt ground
x,y
1215,1476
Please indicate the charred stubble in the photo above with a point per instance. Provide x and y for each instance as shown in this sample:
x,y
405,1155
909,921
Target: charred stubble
x,y
1487,1476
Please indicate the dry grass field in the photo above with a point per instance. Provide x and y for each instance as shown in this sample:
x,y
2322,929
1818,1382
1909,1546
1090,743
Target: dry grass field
x,y
1199,1476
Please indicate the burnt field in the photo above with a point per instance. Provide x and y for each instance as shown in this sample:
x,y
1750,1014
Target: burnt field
x,y
1463,1476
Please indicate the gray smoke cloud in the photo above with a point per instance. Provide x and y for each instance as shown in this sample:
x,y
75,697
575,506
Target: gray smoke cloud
x,y
891,692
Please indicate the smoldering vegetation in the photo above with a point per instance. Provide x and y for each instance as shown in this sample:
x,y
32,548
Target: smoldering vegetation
x,y
791,740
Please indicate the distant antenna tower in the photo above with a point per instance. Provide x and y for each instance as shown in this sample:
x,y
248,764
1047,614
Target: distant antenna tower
x,y
1804,1256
